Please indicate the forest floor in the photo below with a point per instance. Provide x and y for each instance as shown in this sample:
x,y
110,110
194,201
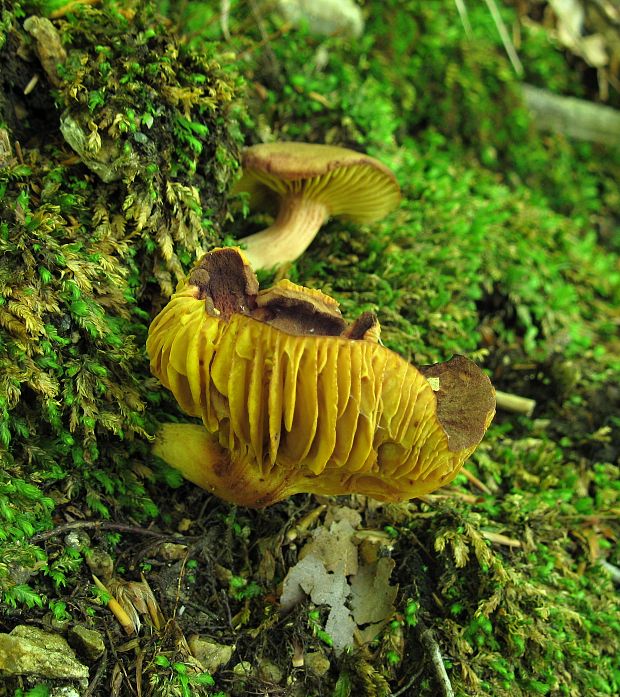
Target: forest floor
x,y
504,249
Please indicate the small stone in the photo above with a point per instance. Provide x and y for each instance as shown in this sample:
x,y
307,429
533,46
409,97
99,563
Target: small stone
x,y
210,654
243,669
87,642
269,672
316,663
169,551
32,651
100,563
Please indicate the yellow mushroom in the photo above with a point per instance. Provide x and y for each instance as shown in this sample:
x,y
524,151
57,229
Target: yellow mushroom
x,y
308,183
293,399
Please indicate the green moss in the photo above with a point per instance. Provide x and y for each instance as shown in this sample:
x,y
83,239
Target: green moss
x,y
84,259
503,249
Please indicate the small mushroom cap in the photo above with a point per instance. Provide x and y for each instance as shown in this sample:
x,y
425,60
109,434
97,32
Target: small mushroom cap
x,y
302,402
352,185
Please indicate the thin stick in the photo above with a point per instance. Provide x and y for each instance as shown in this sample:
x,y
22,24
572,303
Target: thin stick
x,y
405,689
432,647
475,481
576,118
498,538
514,403
503,33
98,525
462,10
224,17
103,664
449,493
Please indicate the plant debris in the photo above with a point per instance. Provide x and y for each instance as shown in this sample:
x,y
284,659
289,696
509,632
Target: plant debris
x,y
331,573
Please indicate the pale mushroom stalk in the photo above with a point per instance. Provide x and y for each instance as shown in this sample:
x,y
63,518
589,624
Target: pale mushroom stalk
x,y
296,225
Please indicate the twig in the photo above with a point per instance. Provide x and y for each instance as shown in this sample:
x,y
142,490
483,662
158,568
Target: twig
x,y
475,481
576,118
499,539
462,10
449,493
503,33
177,597
18,152
98,525
224,16
414,678
432,648
119,665
227,606
514,403
92,685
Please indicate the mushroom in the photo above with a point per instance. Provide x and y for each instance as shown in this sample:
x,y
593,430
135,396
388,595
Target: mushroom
x,y
293,399
310,183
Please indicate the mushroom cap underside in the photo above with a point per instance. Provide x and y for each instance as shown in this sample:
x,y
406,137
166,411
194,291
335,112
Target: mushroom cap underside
x,y
352,185
323,414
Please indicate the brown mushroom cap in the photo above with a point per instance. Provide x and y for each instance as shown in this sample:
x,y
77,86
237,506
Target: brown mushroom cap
x,y
350,184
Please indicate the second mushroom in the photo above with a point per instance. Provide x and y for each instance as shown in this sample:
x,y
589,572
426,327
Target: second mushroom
x,y
308,183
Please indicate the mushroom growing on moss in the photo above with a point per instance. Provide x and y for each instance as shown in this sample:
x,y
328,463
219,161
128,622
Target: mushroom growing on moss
x,y
293,399
310,183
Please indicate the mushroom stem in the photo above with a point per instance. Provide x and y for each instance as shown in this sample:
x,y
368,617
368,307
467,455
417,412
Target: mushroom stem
x,y
296,225
198,456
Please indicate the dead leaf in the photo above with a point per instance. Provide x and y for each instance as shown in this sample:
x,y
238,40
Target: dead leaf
x,y
372,596
333,546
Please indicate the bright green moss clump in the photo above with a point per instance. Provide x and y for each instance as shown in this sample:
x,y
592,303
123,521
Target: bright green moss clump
x,y
89,239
